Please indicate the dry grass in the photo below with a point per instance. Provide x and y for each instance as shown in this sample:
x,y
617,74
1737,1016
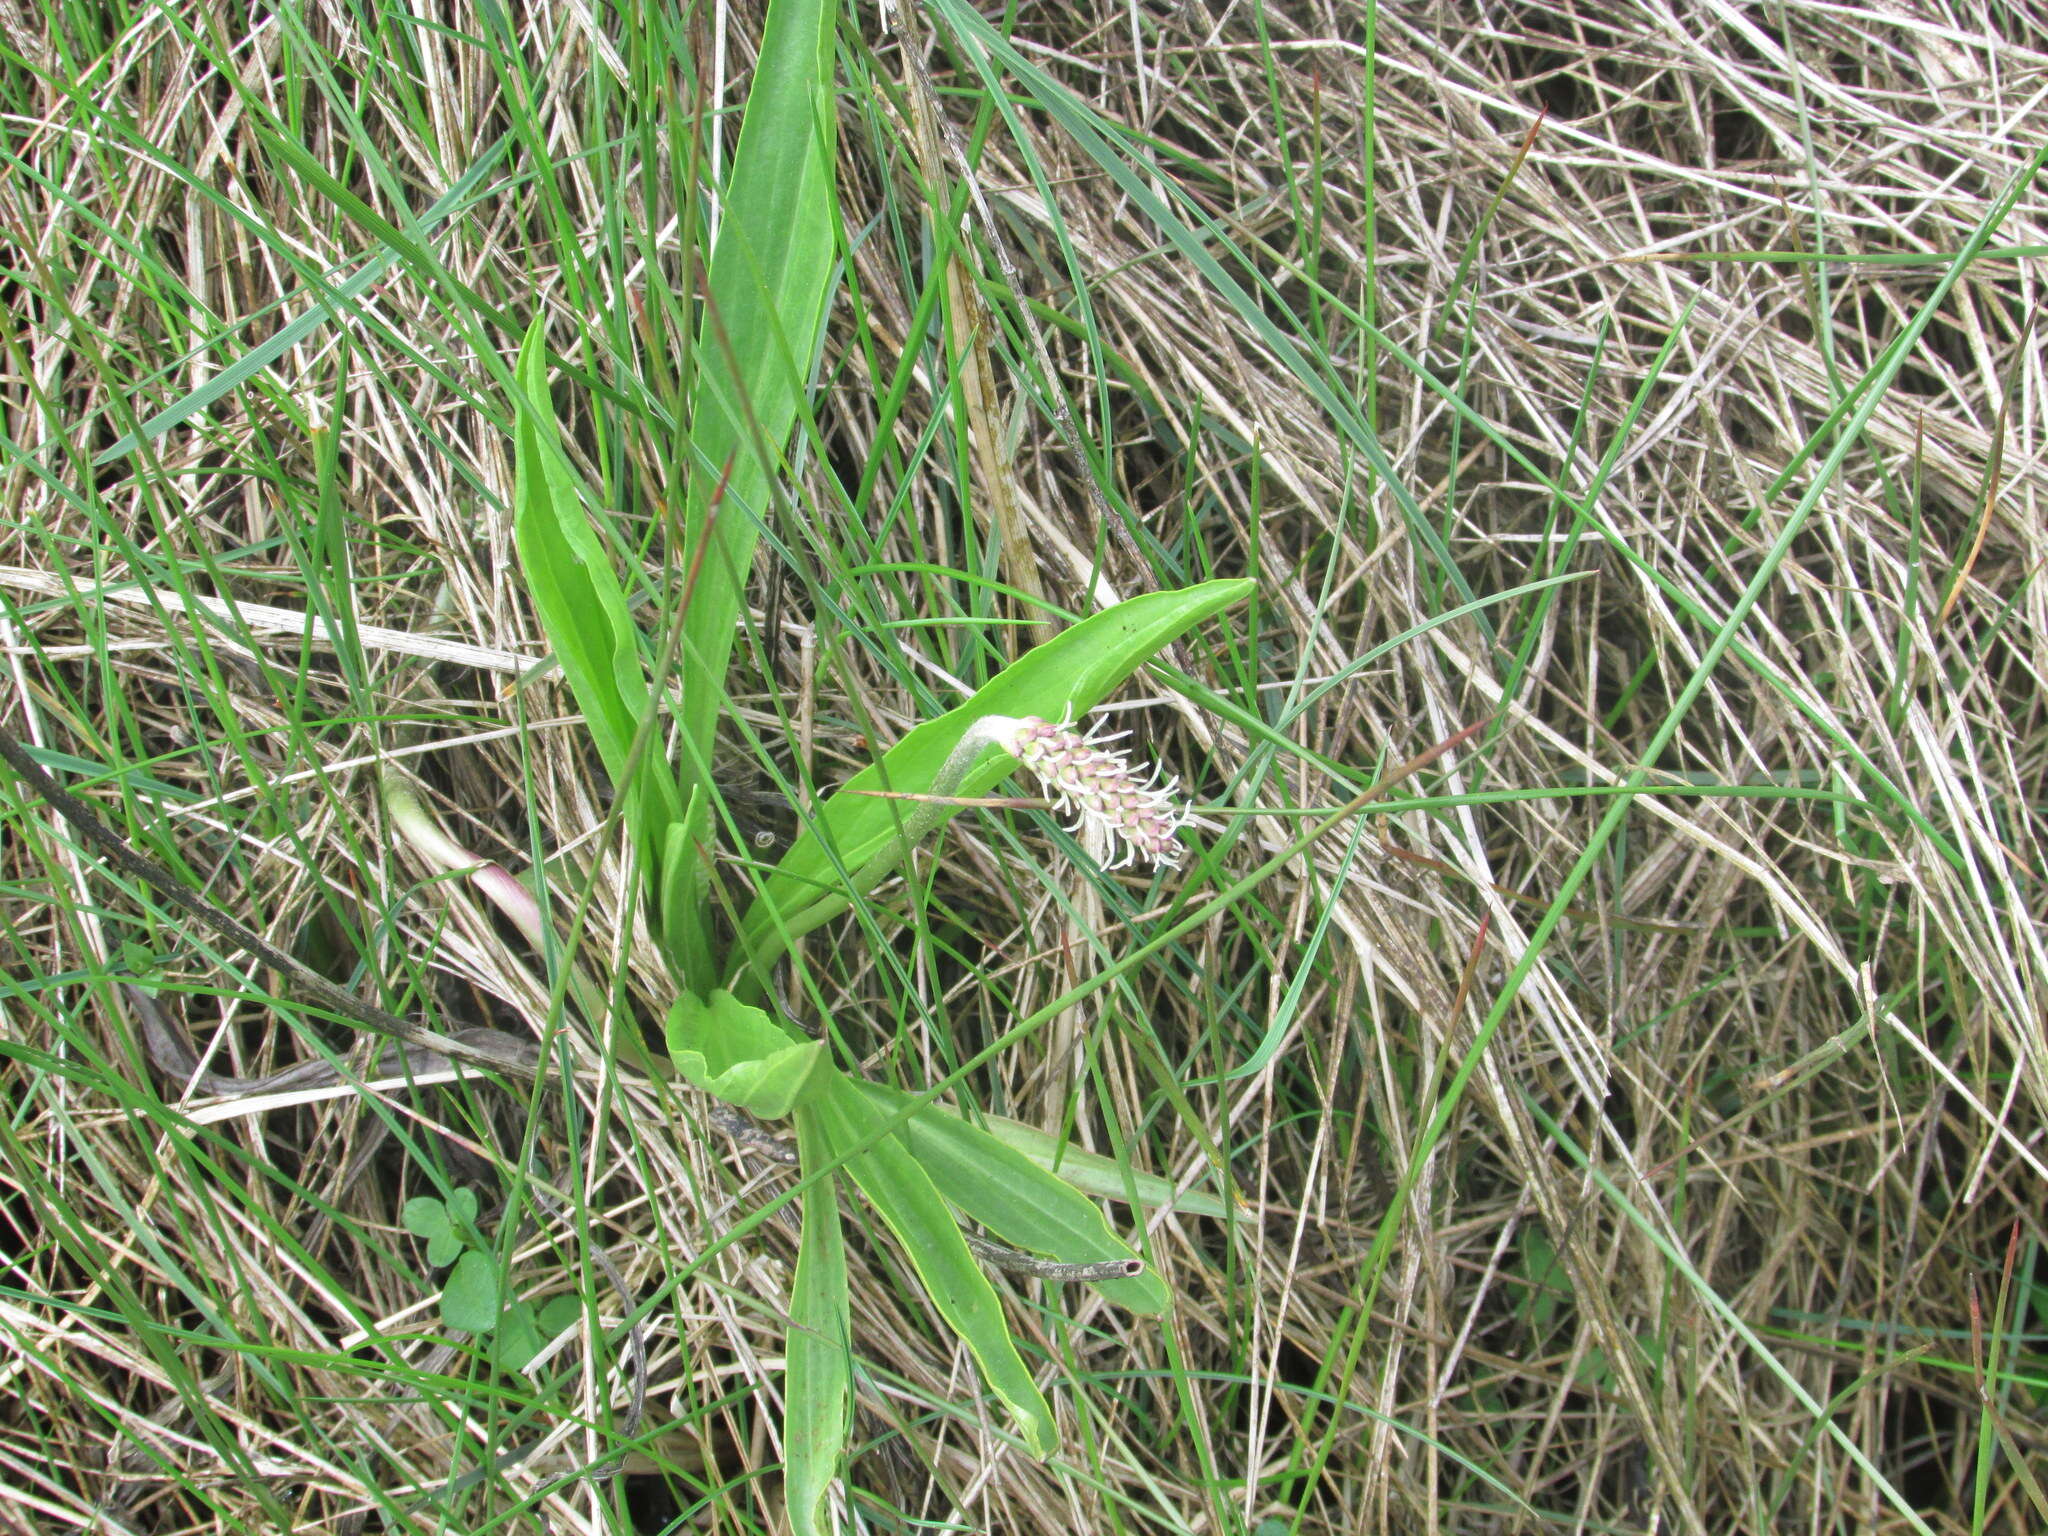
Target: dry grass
x,y
1755,1128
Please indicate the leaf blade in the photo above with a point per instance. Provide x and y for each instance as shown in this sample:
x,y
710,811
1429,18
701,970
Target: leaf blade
x,y
852,831
1003,1190
904,1197
818,1390
583,611
469,1300
769,280
1094,1174
734,1051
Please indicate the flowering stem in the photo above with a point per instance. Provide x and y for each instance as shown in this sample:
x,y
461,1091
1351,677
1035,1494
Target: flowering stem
x,y
1125,812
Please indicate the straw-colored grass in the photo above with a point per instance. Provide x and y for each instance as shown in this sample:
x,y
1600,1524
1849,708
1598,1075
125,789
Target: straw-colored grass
x,y
1634,1119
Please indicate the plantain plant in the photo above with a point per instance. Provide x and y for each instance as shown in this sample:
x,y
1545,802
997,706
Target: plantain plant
x,y
768,282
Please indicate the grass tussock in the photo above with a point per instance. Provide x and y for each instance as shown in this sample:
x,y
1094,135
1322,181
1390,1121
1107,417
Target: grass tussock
x,y
1632,416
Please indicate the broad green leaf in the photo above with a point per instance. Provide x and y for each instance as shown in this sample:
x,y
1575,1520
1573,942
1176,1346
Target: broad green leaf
x,y
769,280
1097,1175
525,1331
1021,1203
735,1052
470,1298
575,591
426,1217
1068,674
902,1193
518,1340
818,1391
583,610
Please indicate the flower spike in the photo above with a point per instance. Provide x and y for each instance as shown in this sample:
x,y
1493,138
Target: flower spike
x,y
1132,812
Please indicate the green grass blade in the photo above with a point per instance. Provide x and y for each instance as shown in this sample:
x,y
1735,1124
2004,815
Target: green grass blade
x,y
1284,1015
1728,1317
837,856
818,1390
325,308
991,1183
904,1196
1199,241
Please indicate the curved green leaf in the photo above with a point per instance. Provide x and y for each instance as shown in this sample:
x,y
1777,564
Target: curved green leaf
x,y
1070,673
902,1193
1020,1202
771,280
1094,1174
735,1052
679,908
469,1300
583,611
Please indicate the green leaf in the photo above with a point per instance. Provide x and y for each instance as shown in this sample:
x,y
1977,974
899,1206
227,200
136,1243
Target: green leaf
x,y
431,1219
517,1340
818,1390
577,594
679,909
525,1330
424,1216
769,280
427,1217
583,609
1072,672
735,1052
1097,1175
903,1194
470,1298
462,1206
1027,1207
